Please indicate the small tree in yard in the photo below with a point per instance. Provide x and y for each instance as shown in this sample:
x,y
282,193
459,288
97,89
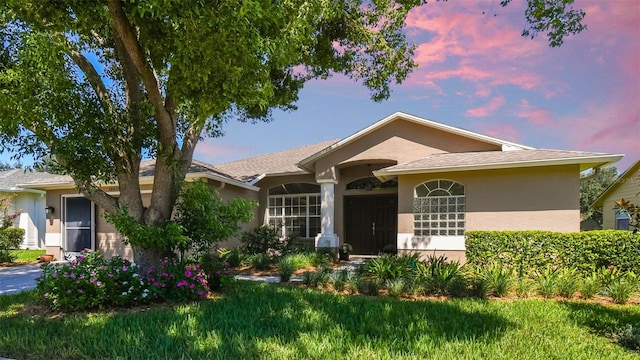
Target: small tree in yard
x,y
10,237
100,85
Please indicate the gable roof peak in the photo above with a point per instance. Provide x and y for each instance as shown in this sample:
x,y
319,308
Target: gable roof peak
x,y
399,115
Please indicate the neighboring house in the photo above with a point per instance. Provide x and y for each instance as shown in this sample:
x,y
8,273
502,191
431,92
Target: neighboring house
x,y
626,186
404,183
29,203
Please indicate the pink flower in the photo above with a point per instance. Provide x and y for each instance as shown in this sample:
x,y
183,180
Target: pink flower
x,y
80,291
192,286
182,283
201,293
92,280
217,272
69,291
65,275
110,275
73,276
99,283
125,268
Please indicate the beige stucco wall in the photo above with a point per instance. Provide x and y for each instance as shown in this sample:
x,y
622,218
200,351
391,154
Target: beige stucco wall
x,y
107,239
628,188
536,198
399,142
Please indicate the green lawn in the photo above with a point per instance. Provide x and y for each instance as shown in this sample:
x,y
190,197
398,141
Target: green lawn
x,y
266,321
26,256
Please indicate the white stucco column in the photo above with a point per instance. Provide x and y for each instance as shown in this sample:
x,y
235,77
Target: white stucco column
x,y
327,238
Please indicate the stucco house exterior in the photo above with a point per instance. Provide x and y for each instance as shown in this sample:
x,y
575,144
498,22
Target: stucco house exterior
x,y
29,203
404,183
626,186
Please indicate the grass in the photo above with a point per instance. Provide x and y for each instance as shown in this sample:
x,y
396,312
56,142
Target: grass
x,y
267,321
26,256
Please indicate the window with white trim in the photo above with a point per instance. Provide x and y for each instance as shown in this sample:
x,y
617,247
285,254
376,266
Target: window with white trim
x,y
295,209
439,209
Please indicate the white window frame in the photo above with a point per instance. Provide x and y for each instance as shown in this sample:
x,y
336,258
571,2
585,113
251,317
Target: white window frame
x,y
279,214
439,215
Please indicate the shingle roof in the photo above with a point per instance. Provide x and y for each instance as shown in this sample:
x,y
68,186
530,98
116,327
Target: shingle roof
x,y
147,169
498,159
13,178
281,162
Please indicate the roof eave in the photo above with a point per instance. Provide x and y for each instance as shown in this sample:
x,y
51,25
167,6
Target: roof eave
x,y
585,162
599,202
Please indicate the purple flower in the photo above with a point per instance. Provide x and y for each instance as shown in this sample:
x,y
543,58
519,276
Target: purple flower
x,y
54,275
80,291
69,291
73,276
192,286
65,275
217,272
125,268
182,283
201,293
110,275
156,284
92,280
101,267
99,283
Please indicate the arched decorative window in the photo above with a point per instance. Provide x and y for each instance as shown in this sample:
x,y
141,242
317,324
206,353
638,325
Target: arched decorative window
x,y
439,208
370,183
295,209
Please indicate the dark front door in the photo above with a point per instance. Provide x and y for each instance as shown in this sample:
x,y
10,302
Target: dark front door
x,y
371,223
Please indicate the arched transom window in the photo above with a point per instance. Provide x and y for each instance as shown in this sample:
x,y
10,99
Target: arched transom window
x,y
295,209
439,208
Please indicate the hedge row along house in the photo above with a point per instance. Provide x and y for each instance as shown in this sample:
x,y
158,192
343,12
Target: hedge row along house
x,y
403,184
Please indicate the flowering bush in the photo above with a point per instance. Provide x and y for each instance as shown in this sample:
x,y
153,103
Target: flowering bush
x,y
176,280
219,272
90,281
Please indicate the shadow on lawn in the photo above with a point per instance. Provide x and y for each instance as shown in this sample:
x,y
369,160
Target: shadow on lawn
x,y
258,320
601,319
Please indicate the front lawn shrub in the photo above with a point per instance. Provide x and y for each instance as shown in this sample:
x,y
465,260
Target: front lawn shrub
x,y
178,281
568,283
90,282
390,267
234,257
532,251
338,279
264,240
286,266
523,287
622,288
10,238
220,274
260,261
440,277
590,287
497,279
547,282
310,279
395,287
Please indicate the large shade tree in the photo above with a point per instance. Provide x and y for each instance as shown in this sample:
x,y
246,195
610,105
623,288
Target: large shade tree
x,y
100,85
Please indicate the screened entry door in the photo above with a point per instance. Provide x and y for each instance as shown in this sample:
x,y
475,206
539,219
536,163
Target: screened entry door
x,y
371,223
78,225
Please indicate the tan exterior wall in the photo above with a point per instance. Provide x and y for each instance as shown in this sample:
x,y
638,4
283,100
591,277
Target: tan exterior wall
x,y
452,255
628,189
398,142
228,192
107,239
540,198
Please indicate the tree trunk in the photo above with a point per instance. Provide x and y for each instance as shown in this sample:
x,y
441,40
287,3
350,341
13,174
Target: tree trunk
x,y
147,258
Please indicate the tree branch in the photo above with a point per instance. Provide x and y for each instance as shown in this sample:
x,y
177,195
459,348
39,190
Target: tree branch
x,y
90,72
124,30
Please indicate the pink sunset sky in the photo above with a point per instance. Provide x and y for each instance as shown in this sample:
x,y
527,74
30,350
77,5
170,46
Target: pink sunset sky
x,y
477,72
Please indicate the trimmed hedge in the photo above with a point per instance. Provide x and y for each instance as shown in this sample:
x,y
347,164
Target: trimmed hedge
x,y
530,251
